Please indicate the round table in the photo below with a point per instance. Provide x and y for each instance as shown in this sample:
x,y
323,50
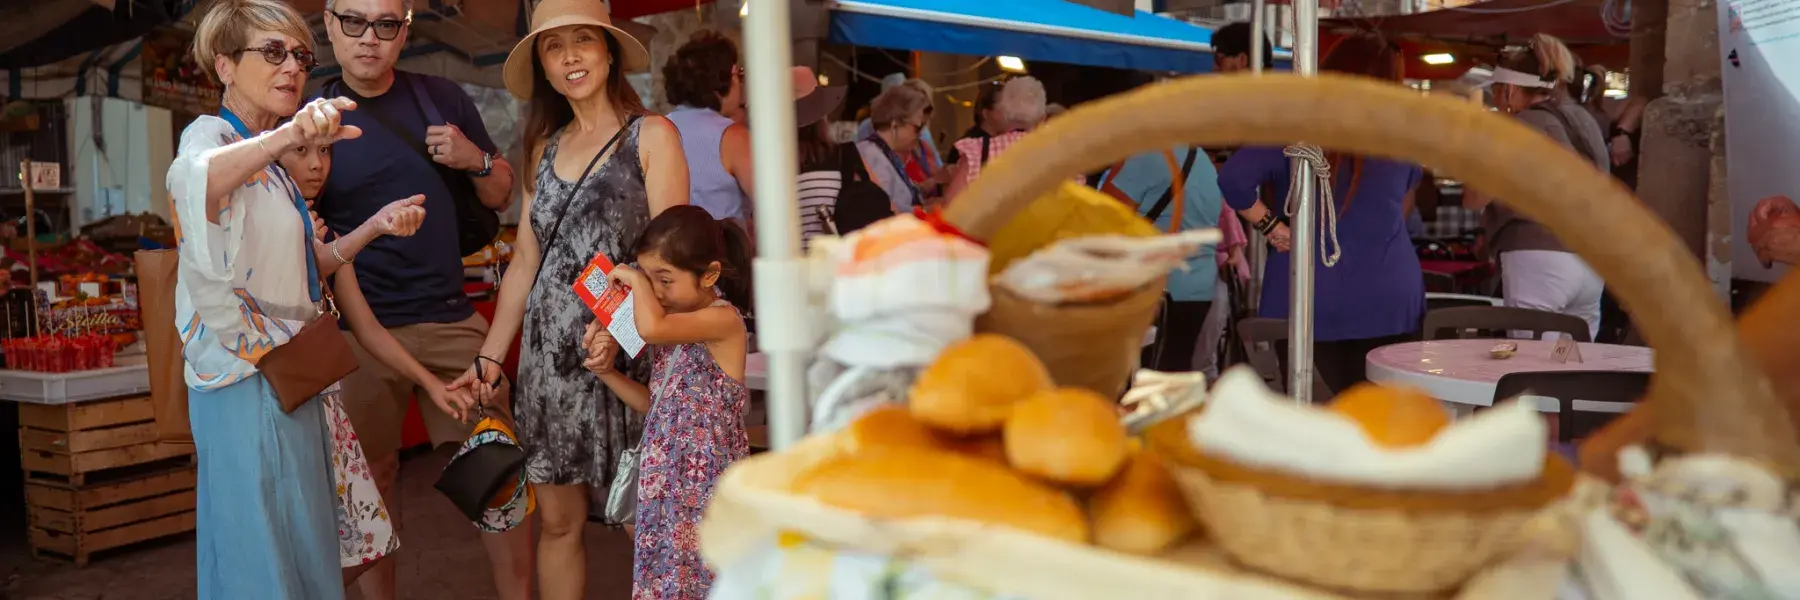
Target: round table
x,y
1462,373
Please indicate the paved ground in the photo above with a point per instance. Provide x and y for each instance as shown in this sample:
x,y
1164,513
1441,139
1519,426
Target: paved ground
x,y
440,558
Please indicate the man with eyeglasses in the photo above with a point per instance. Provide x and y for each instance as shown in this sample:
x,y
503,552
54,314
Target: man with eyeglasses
x,y
421,135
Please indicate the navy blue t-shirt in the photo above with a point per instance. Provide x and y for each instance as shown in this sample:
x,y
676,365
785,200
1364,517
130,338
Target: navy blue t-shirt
x,y
407,280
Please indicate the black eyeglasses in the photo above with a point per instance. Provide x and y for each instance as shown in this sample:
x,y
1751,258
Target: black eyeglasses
x,y
275,53
385,29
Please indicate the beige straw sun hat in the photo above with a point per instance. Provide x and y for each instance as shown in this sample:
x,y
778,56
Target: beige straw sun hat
x,y
551,14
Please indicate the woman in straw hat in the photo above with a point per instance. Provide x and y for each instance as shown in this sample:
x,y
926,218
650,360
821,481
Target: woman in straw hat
x,y
604,167
286,509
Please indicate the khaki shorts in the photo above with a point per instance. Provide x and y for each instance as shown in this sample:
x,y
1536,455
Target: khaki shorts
x,y
376,397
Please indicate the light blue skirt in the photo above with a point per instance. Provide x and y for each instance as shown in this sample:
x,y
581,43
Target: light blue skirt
x,y
265,525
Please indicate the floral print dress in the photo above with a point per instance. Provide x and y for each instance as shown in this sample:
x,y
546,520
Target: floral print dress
x,y
694,430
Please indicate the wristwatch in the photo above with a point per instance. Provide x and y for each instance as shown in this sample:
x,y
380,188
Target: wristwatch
x,y
487,165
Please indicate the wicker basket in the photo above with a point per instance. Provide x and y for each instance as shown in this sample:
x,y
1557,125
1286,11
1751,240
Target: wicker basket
x,y
1708,393
1093,346
1351,549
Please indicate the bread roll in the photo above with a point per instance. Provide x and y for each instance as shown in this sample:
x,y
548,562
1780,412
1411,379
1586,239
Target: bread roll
x,y
887,426
973,384
1393,417
1066,435
1141,510
900,483
985,447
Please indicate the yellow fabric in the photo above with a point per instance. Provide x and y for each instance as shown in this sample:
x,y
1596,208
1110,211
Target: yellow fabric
x,y
1073,211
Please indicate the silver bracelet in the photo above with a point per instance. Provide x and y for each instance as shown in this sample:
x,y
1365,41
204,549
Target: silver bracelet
x,y
339,257
265,149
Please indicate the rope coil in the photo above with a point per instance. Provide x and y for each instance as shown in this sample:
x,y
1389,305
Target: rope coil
x,y
1321,168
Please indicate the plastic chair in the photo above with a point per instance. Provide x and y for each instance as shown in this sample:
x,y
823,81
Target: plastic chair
x,y
1439,282
1435,300
1265,344
1587,400
1475,322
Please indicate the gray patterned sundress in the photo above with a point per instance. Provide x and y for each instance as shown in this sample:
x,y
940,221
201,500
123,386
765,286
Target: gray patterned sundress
x,y
572,426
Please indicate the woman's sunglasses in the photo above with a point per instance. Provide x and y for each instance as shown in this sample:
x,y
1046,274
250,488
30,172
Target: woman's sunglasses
x,y
275,53
385,29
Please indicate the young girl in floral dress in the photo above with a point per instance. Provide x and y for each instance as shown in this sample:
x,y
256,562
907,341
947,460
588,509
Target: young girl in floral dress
x,y
687,281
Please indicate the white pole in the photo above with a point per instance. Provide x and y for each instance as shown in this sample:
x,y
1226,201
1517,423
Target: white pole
x,y
780,278
1305,229
1256,37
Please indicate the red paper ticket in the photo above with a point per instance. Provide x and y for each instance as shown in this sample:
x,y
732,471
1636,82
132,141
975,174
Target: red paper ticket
x,y
610,303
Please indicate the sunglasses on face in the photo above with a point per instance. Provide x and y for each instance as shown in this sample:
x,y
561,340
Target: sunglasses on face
x,y
275,54
385,29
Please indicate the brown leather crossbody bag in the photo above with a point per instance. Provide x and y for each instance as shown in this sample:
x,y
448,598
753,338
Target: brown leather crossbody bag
x,y
312,360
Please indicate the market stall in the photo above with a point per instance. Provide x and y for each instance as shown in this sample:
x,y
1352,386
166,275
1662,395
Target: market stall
x,y
96,475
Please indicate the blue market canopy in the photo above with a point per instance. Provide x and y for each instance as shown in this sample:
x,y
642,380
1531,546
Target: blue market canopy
x,y
1046,30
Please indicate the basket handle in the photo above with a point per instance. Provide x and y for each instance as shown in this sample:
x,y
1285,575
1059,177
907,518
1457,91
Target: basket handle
x,y
1708,394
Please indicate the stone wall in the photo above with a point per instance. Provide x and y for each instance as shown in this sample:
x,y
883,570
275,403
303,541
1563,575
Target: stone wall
x,y
1675,178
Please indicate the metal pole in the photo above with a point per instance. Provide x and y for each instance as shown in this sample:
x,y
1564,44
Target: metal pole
x,y
1256,37
1305,228
779,273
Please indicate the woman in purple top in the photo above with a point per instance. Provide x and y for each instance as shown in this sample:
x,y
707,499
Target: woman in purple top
x,y
1375,294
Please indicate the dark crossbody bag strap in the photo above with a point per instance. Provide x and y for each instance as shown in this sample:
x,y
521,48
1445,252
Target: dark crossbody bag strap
x,y
556,227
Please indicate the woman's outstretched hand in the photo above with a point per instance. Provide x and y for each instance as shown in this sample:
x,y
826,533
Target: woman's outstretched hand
x,y
401,218
478,382
321,122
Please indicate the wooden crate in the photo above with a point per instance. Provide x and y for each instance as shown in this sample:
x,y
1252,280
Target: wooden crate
x,y
99,441
97,479
73,523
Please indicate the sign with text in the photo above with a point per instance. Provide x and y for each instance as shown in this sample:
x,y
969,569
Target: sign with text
x,y
44,176
172,79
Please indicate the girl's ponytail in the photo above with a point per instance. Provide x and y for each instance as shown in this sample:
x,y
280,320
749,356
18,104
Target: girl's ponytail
x,y
735,278
687,237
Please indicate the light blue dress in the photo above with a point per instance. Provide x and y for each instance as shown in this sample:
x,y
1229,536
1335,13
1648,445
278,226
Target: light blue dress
x,y
709,185
266,523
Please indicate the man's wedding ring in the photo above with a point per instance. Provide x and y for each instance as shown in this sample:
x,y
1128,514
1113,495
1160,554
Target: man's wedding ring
x,y
434,149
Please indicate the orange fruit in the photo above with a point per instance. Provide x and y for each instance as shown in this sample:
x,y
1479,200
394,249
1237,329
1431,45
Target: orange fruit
x,y
1393,417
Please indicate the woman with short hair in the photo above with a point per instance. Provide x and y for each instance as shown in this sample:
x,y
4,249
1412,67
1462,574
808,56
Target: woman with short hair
x,y
706,84
273,518
898,118
1019,107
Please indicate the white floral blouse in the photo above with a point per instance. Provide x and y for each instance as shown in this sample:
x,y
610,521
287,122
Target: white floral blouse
x,y
236,301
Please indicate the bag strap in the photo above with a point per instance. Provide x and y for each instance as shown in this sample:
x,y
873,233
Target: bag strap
x,y
1177,189
1577,138
851,165
422,100
573,190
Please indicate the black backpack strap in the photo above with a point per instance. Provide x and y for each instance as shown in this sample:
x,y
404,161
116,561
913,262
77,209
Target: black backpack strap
x,y
1162,204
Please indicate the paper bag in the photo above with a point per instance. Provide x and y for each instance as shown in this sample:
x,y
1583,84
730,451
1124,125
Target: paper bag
x,y
156,272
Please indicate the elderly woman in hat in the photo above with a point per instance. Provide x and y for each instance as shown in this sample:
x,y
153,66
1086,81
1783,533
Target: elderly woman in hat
x,y
603,167
275,478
